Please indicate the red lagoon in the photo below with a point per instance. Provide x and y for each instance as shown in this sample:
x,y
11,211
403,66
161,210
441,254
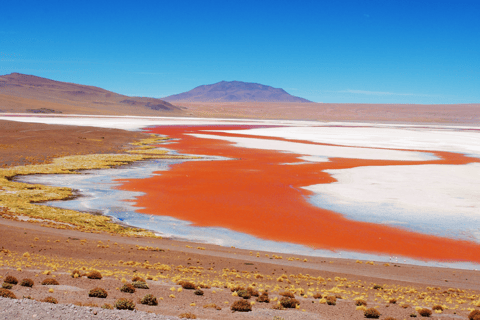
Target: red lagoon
x,y
257,194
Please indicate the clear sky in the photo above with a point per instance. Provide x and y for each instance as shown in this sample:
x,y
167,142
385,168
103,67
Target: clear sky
x,y
325,51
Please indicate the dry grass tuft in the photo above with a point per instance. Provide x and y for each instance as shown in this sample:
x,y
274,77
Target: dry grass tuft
x,y
289,302
241,306
11,280
198,292
98,293
187,285
50,300
149,300
287,294
331,300
137,278
360,302
213,306
27,283
107,306
94,275
188,315
371,313
474,315
140,285
7,286
50,282
263,298
425,312
124,304
5,293
128,288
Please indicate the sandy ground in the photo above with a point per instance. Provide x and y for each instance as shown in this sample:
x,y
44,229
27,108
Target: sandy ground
x,y
29,250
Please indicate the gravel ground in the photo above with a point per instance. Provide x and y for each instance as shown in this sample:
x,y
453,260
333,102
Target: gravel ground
x,y
31,309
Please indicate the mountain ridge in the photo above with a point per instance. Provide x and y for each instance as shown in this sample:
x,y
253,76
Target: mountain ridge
x,y
235,91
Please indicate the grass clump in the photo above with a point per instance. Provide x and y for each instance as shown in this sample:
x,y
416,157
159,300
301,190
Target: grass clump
x,y
94,275
253,292
140,285
107,306
98,293
187,285
360,302
213,306
50,282
188,315
149,300
5,293
137,278
377,287
11,280
287,302
474,315
317,296
425,312
50,300
244,294
128,288
7,285
124,304
27,283
241,306
287,294
371,313
437,307
263,298
76,274
237,288
392,301
198,292
331,300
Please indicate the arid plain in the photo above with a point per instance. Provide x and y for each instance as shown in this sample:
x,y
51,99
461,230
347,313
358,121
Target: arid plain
x,y
53,243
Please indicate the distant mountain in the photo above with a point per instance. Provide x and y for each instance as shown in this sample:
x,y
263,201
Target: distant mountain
x,y
28,93
235,91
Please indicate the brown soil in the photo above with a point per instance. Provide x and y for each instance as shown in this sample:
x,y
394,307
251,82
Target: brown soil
x,y
31,143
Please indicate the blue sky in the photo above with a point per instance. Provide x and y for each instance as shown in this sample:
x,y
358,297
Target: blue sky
x,y
325,51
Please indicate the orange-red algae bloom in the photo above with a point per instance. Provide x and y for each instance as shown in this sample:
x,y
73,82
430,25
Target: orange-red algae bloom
x,y
256,193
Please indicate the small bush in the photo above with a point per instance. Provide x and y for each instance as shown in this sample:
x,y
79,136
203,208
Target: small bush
x,y
242,306
124,304
263,298
278,307
392,301
425,312
360,302
237,288
98,293
188,315
128,288
5,293
331,300
244,294
437,307
27,297
107,306
140,285
317,296
474,315
198,292
187,285
149,300
253,292
377,287
212,305
137,278
7,285
289,302
413,315
94,275
50,300
11,279
50,282
27,283
371,313
287,294
76,274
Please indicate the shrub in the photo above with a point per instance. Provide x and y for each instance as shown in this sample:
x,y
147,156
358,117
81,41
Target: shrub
x,y
287,294
252,292
425,312
76,274
98,293
137,278
198,292
188,315
263,298
278,307
149,300
474,315
187,285
392,301
107,306
289,302
128,288
124,304
360,302
331,300
237,288
50,300
212,305
437,307
11,279
94,275
317,296
377,287
242,306
413,315
371,313
50,282
244,294
7,285
27,283
5,293
140,285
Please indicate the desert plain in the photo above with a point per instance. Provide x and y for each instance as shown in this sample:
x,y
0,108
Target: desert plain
x,y
298,210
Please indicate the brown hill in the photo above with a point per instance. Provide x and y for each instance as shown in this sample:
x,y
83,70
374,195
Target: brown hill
x,y
235,91
27,93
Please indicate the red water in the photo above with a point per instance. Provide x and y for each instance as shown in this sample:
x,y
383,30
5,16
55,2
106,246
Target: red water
x,y
257,194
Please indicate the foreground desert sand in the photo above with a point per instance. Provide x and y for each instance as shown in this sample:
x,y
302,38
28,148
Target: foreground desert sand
x,y
40,250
